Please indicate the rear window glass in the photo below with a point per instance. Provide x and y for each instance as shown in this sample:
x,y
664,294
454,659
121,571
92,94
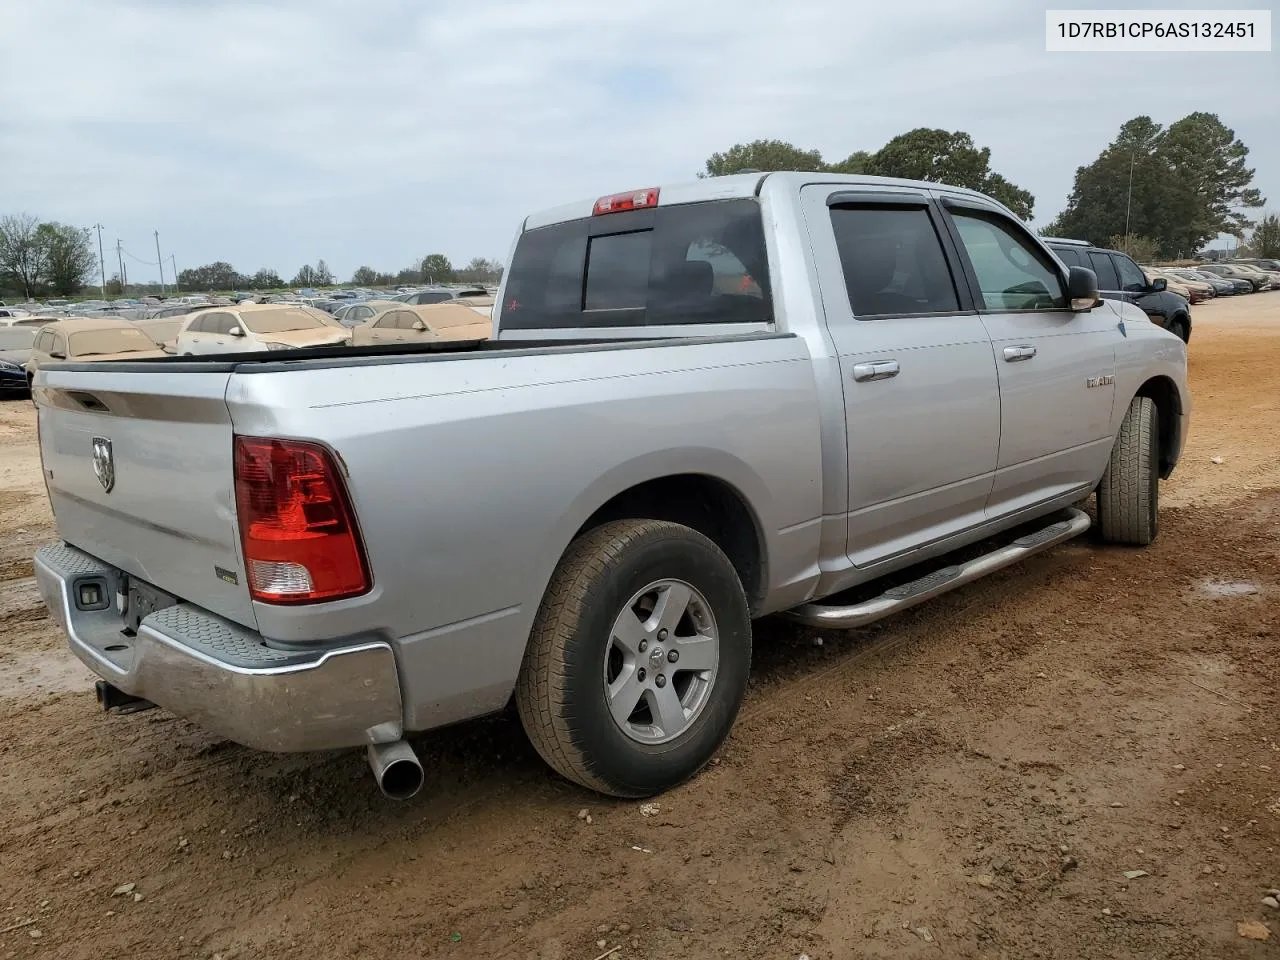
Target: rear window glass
x,y
282,321
1069,255
618,271
690,263
91,342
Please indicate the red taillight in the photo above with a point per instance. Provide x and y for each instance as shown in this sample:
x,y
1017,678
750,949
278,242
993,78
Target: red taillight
x,y
301,544
631,200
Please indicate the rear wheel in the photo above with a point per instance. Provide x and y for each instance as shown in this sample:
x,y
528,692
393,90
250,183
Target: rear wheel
x,y
1178,327
1129,494
638,659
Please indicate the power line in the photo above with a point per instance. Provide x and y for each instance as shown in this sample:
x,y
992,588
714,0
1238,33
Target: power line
x,y
149,263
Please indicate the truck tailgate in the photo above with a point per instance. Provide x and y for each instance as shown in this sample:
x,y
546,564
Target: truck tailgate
x,y
139,471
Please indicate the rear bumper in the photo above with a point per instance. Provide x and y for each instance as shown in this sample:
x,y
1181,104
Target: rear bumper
x,y
221,675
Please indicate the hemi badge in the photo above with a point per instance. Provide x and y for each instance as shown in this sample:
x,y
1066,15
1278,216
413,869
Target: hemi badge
x,y
227,575
1101,381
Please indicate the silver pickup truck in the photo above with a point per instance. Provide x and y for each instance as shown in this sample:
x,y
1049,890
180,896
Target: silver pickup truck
x,y
702,403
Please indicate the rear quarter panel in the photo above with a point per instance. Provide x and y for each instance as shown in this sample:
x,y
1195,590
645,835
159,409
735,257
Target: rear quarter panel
x,y
471,475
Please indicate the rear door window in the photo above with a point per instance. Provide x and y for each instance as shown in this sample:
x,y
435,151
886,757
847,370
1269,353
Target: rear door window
x,y
893,261
1108,279
688,263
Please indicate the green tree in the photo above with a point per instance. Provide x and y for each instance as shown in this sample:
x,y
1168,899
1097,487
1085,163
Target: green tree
x,y
1265,240
364,277
858,162
407,276
114,287
265,279
942,156
923,154
306,276
219,275
480,270
24,251
1181,186
324,276
69,259
1142,249
436,268
1211,182
765,155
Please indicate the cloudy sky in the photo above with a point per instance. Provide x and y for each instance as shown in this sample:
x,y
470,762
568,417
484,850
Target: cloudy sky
x,y
275,132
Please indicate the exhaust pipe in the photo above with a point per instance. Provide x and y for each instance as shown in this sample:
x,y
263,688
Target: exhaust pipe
x,y
396,768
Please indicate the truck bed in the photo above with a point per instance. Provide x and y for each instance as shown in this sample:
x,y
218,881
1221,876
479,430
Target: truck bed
x,y
438,350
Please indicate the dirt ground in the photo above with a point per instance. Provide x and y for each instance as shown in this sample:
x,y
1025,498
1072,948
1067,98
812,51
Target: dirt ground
x,y
971,779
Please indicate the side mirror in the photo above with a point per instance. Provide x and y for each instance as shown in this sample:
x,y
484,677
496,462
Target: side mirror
x,y
419,325
1082,289
1159,285
236,332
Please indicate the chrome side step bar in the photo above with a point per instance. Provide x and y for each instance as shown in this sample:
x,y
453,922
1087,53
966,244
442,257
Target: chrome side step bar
x,y
907,595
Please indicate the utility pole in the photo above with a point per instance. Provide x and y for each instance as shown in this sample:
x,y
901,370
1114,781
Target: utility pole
x,y
120,262
1128,200
102,262
173,262
160,262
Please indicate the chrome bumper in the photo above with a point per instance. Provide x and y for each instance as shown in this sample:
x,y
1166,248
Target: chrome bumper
x,y
223,676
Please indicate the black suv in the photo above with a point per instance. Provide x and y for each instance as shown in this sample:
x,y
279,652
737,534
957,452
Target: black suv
x,y
1119,278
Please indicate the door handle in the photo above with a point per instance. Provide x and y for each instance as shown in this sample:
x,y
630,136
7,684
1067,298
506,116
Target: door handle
x,y
879,370
1014,354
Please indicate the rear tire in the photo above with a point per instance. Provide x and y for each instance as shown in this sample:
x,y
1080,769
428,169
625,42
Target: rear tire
x,y
601,641
1178,327
1129,494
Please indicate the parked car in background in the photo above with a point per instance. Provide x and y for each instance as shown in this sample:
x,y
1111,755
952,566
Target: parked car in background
x,y
430,295
12,313
1119,278
163,330
1266,263
246,328
90,339
13,373
482,305
1222,286
1271,275
354,314
1193,291
436,321
33,321
1257,281
166,310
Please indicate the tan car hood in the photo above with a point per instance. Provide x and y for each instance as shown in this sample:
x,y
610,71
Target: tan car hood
x,y
307,338
469,331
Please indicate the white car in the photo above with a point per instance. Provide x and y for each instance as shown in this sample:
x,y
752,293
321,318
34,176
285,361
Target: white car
x,y
21,318
249,327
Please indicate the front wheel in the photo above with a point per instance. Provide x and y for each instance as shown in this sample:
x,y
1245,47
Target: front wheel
x,y
638,659
1129,494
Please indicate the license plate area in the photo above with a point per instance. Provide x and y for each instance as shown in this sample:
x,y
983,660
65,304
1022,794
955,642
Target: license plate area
x,y
137,600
